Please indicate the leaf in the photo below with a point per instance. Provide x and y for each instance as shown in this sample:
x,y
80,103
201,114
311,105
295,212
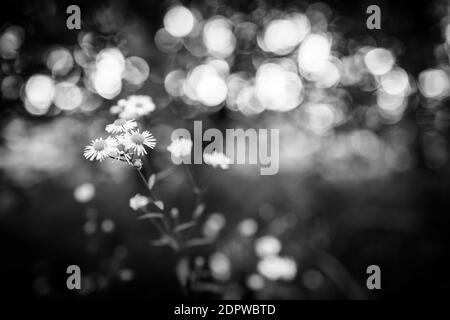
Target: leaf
x,y
198,211
198,242
183,271
165,173
150,216
151,181
160,242
185,226
159,204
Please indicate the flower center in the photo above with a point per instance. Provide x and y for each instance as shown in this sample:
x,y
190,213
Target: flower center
x,y
139,105
121,147
99,145
137,138
120,122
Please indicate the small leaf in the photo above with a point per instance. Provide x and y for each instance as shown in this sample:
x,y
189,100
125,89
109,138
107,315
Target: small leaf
x,y
160,242
198,211
151,181
183,271
165,173
185,226
159,204
150,216
198,242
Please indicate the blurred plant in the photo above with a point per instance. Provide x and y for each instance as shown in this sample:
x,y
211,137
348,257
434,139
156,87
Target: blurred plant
x,y
126,143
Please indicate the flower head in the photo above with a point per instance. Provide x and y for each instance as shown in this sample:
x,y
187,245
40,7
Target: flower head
x,y
121,150
135,141
180,147
217,159
135,106
99,149
121,126
138,202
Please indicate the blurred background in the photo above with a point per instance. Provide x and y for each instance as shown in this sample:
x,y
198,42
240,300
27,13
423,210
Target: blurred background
x,y
364,169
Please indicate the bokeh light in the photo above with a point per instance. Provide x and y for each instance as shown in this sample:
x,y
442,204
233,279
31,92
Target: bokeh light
x,y
204,84
218,37
267,246
434,83
314,53
60,61
10,41
281,36
276,88
379,61
107,76
136,71
277,268
179,21
67,96
395,82
39,92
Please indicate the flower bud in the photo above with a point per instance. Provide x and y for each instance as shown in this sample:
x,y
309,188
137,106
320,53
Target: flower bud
x,y
174,213
137,164
138,202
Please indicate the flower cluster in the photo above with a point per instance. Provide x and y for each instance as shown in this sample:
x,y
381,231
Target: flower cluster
x,y
217,159
180,147
134,107
125,143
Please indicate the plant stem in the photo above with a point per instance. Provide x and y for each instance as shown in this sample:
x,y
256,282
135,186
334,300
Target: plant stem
x,y
166,226
191,176
156,225
144,180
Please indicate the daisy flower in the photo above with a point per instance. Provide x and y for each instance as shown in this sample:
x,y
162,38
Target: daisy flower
x,y
217,159
138,202
137,106
121,126
99,149
180,147
136,141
